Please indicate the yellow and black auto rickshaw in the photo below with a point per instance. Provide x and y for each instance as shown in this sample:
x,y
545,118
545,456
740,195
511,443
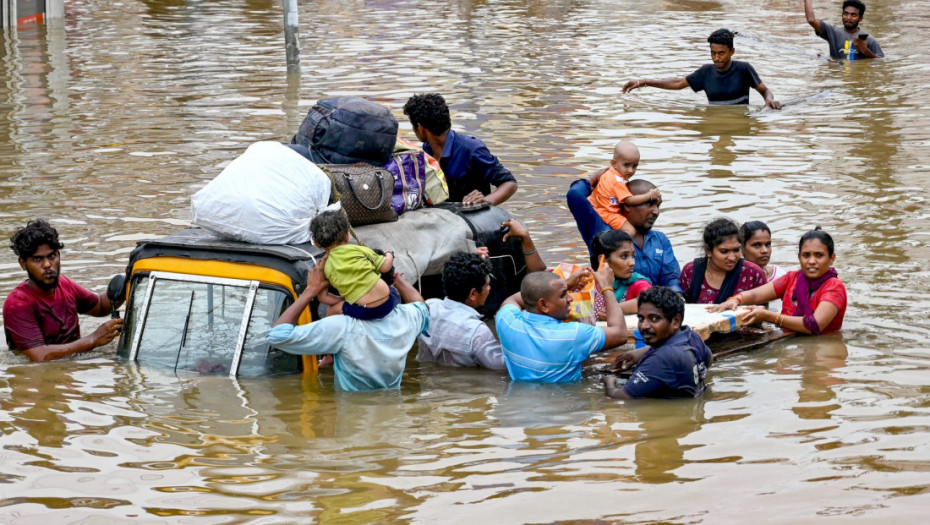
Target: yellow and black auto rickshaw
x,y
202,304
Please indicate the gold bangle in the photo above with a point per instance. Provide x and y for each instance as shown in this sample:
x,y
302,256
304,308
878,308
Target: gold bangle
x,y
611,291
739,299
778,320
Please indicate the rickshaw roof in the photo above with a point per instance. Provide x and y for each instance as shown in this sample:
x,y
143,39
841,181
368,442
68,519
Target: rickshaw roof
x,y
294,260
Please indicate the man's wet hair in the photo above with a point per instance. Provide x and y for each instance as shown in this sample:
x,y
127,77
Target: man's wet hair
x,y
857,4
328,228
665,299
26,240
463,273
821,236
430,111
724,37
719,230
608,242
639,186
536,286
749,228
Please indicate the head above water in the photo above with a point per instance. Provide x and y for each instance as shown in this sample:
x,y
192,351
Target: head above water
x,y
329,229
722,244
37,247
857,5
757,242
430,111
467,276
819,235
642,216
723,37
721,48
661,313
546,294
26,240
719,230
608,242
625,159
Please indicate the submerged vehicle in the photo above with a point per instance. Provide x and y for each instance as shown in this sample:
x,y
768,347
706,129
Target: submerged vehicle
x,y
203,304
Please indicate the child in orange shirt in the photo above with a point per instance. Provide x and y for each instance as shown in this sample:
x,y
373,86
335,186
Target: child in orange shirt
x,y
611,190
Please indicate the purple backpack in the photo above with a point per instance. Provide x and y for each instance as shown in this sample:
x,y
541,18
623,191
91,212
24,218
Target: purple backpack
x,y
409,169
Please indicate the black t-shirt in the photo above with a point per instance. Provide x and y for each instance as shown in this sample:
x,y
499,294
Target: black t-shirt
x,y
730,87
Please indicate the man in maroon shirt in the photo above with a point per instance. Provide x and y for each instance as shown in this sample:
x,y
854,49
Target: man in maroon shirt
x,y
40,316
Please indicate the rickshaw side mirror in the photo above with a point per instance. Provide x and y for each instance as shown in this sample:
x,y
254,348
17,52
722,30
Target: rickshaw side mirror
x,y
116,290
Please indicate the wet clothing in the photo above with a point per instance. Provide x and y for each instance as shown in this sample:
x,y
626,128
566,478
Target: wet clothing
x,y
727,88
365,313
841,45
611,190
832,291
539,348
367,355
676,368
469,166
654,260
353,270
33,318
623,291
458,337
777,271
750,276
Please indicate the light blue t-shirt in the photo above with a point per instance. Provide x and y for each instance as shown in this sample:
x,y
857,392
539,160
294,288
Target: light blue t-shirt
x,y
367,355
540,348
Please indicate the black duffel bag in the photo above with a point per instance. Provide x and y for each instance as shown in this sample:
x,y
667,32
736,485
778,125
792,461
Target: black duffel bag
x,y
346,130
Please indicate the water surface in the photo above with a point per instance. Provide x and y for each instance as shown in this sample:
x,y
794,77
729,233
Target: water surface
x,y
114,117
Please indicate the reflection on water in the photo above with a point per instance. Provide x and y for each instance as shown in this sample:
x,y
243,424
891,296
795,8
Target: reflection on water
x,y
115,116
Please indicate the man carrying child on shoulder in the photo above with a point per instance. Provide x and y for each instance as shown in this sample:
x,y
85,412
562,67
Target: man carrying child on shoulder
x,y
611,190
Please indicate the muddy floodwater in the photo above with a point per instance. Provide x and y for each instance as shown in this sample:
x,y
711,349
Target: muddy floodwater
x,y
112,118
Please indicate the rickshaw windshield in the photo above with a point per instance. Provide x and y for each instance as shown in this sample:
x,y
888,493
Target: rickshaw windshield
x,y
205,325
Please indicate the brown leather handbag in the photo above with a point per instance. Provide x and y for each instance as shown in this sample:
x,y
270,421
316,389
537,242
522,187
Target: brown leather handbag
x,y
364,190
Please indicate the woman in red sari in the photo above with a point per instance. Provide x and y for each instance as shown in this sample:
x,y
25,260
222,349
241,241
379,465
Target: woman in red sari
x,y
813,298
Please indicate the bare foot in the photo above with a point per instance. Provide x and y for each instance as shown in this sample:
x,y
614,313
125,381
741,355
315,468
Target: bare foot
x,y
325,361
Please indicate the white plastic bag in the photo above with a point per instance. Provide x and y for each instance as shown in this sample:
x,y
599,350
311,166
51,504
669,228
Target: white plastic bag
x,y
268,195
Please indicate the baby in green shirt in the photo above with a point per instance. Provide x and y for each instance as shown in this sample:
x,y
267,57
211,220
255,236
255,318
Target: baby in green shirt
x,y
355,271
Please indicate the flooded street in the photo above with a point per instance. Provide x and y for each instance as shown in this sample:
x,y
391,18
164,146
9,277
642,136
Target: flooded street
x,y
112,118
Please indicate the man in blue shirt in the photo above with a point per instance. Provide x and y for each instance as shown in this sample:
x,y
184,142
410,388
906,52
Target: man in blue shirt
x,y
537,345
675,362
367,354
469,167
653,252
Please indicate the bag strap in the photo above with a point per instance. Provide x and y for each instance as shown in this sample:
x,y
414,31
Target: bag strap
x,y
355,192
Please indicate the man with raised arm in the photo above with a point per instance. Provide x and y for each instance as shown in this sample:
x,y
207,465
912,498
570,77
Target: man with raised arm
x,y
725,82
538,345
40,316
847,42
652,250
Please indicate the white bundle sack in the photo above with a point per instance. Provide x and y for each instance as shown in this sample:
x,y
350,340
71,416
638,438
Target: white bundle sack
x,y
268,195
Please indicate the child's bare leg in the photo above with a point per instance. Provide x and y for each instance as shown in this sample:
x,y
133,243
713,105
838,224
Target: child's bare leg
x,y
335,309
627,227
325,361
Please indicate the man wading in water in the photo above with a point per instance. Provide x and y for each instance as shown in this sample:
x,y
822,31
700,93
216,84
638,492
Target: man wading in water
x,y
847,42
725,82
